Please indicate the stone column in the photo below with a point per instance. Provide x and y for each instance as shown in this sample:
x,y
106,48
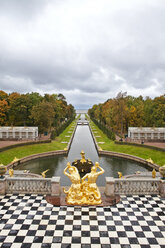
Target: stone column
x,y
139,135
152,136
55,186
158,136
162,188
13,134
2,186
110,186
27,134
145,136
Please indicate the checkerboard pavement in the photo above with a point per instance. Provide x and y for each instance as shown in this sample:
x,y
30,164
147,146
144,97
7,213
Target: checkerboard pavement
x,y
29,221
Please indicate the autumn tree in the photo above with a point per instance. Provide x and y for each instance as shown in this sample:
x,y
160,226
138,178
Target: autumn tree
x,y
3,95
3,112
50,111
124,111
13,104
43,115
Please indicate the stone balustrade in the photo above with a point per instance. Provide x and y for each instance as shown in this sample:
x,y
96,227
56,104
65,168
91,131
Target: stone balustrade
x,y
133,186
136,186
28,185
12,185
113,186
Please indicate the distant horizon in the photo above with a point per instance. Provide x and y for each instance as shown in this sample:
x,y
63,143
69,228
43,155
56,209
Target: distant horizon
x,y
81,106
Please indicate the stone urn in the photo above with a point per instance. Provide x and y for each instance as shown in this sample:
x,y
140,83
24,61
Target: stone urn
x,y
162,171
3,170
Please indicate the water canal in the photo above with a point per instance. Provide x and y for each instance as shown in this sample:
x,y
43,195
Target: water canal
x,y
82,141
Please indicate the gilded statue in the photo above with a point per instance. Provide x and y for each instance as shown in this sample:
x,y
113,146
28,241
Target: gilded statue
x,y
11,172
83,160
74,193
120,174
15,160
91,192
153,173
82,191
150,160
44,173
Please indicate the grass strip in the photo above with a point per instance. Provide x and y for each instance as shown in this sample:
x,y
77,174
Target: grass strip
x,y
157,156
19,152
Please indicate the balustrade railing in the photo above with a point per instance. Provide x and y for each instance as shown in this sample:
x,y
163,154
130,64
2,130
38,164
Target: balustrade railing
x,y
51,186
136,186
28,185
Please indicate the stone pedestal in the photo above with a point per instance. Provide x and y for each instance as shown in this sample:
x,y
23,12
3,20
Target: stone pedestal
x,y
2,186
110,186
55,186
162,188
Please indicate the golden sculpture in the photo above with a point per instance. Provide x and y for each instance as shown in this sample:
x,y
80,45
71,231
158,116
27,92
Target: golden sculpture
x,y
83,160
11,172
44,173
153,173
91,193
150,160
81,191
120,174
74,194
15,160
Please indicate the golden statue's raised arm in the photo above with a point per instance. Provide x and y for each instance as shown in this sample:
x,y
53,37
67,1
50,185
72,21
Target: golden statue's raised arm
x,y
65,170
99,167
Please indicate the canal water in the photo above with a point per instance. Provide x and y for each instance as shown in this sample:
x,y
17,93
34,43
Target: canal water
x,y
82,141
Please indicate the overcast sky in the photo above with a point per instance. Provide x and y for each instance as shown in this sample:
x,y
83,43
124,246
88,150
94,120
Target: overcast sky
x,y
89,50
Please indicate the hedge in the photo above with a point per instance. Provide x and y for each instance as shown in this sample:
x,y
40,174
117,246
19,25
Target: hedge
x,y
110,134
56,132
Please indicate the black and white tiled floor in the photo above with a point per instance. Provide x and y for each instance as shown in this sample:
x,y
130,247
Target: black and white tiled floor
x,y
29,221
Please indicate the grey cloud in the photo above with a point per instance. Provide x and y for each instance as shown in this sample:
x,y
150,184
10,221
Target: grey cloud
x,y
22,10
88,51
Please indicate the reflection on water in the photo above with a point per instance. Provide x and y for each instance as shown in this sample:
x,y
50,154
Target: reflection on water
x,y
82,141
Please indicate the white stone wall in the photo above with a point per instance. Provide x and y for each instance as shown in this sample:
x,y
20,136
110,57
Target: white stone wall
x,y
146,133
20,133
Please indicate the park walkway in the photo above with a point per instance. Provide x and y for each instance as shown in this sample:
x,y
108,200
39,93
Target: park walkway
x,y
29,221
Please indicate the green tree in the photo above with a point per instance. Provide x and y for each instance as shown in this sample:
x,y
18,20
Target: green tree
x,y
43,115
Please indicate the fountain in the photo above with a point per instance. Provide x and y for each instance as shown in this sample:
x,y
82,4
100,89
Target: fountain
x,y
83,165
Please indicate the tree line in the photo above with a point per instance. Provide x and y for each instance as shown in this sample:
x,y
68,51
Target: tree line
x,y
121,112
49,112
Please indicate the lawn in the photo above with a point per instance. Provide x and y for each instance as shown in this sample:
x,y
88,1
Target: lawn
x,y
19,152
7,156
157,156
